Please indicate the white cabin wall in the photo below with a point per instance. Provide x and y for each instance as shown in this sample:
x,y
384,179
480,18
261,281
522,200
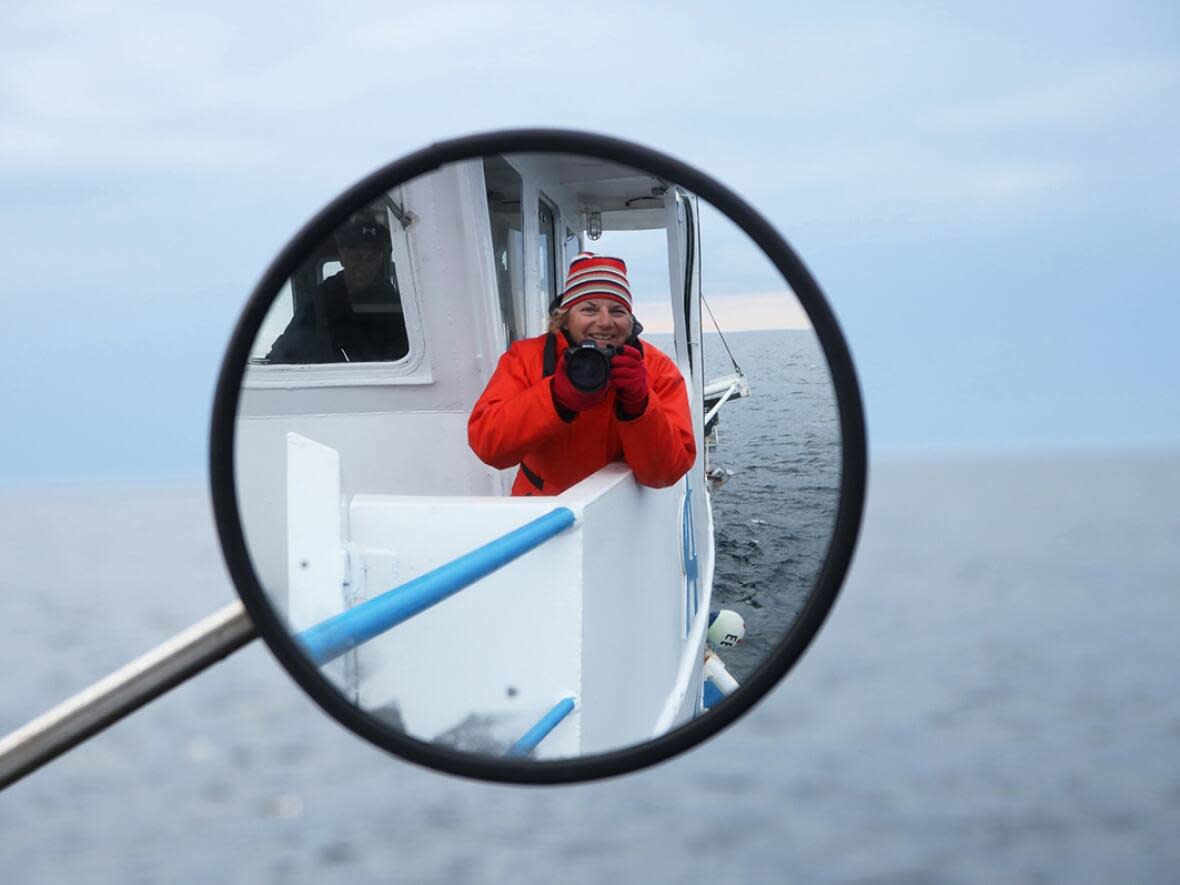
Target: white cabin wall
x,y
476,289
569,214
534,308
453,267
537,176
473,209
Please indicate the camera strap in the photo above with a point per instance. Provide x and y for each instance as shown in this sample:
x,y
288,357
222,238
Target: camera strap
x,y
532,477
549,359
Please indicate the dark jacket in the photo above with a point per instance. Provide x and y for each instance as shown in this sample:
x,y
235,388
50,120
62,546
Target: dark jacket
x,y
327,329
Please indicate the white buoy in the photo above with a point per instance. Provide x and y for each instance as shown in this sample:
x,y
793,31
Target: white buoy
x,y
726,628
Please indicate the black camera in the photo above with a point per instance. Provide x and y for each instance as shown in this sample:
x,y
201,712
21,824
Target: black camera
x,y
588,365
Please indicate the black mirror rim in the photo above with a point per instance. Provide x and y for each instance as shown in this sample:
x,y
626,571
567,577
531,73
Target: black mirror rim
x,y
854,462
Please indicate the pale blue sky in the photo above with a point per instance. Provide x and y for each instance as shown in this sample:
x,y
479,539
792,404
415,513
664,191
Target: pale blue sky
x,y
990,196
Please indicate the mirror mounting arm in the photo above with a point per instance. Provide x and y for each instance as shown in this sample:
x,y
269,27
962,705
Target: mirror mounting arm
x,y
398,212
124,691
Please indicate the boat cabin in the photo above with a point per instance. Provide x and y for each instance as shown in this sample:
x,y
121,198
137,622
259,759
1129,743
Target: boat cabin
x,y
354,475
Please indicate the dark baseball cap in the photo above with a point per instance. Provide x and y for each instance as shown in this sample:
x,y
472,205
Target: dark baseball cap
x,y
360,231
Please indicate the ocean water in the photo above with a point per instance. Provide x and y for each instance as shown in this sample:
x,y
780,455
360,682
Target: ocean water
x,y
992,699
773,519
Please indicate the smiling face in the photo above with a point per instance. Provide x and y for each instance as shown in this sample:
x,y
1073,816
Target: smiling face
x,y
601,320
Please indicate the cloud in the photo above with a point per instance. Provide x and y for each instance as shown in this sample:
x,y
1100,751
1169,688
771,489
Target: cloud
x,y
879,177
88,86
1089,99
48,147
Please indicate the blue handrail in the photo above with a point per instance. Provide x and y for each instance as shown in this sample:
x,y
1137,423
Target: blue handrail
x,y
340,633
528,742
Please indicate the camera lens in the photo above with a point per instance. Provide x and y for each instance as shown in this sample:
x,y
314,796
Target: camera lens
x,y
588,366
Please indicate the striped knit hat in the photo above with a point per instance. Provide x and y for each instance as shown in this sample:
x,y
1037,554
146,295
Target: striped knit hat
x,y
596,276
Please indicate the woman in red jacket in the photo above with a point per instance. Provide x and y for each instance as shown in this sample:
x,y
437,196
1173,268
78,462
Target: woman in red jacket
x,y
531,414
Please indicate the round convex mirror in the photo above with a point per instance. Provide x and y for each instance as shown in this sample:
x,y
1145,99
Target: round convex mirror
x,y
473,552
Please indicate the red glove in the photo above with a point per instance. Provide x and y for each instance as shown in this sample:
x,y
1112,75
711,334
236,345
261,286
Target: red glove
x,y
570,398
628,376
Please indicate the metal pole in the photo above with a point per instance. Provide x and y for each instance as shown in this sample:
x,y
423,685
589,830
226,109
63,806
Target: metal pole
x,y
124,691
540,731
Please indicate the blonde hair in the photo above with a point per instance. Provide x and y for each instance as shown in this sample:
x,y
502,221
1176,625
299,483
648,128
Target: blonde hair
x,y
559,319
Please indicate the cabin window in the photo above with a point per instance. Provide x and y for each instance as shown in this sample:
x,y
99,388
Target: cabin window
x,y
547,248
343,304
505,197
331,268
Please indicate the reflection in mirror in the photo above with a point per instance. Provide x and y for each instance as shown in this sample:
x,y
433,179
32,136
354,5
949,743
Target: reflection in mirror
x,y
343,304
480,547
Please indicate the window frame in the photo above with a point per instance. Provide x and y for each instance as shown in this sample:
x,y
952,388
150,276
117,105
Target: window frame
x,y
555,271
413,368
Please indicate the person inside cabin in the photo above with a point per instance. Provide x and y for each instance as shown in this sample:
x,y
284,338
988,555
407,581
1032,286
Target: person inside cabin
x,y
355,314
533,414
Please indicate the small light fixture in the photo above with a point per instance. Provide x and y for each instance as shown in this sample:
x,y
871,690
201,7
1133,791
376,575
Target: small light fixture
x,y
593,224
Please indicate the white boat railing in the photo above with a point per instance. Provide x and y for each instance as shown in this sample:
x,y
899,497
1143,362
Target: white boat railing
x,y
724,389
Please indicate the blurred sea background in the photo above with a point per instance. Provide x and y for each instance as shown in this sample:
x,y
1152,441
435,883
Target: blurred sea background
x,y
992,699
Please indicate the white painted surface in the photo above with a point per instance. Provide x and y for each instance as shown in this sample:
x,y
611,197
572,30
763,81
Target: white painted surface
x,y
317,566
634,610
315,557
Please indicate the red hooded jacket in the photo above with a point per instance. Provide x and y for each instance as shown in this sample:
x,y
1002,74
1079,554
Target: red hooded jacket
x,y
516,422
